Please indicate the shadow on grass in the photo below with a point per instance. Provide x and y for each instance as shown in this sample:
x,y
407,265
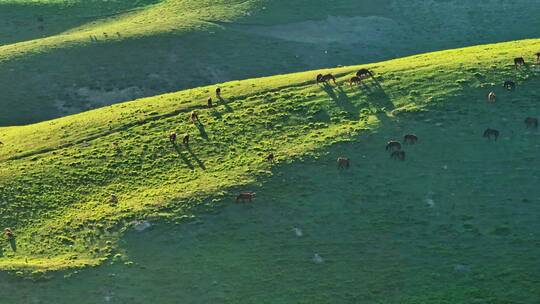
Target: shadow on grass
x,y
202,130
197,159
183,157
13,244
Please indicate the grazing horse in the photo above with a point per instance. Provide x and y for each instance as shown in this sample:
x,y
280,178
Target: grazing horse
x,y
326,78
172,137
8,233
243,196
531,122
194,116
398,155
364,73
488,133
519,61
355,80
209,102
343,163
393,145
218,92
185,140
491,97
509,85
410,139
270,157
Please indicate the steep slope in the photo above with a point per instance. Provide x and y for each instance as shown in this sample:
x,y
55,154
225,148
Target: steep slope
x,y
97,54
57,176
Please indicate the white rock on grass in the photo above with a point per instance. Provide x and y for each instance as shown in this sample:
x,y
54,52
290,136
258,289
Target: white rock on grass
x,y
141,225
317,259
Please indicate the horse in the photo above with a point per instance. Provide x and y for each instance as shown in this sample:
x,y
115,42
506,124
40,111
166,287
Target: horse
x,y
343,162
172,137
218,92
185,139
243,196
491,97
8,233
509,85
326,78
270,157
531,122
194,116
410,139
355,80
488,133
393,145
538,57
364,73
400,155
519,61
209,102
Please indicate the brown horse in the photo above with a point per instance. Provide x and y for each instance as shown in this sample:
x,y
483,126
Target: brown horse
x,y
270,157
194,116
491,97
531,122
355,80
172,137
185,140
364,73
509,85
519,61
8,233
400,155
488,133
343,163
393,145
209,102
410,139
218,92
326,78
243,196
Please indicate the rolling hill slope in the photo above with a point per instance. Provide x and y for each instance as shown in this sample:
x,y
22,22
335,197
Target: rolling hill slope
x,y
57,176
93,54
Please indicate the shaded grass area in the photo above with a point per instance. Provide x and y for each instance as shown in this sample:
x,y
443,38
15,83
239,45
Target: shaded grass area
x,y
57,176
455,223
146,48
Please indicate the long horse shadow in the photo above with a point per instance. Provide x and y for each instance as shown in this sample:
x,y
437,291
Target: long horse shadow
x,y
13,244
197,159
341,99
183,157
202,130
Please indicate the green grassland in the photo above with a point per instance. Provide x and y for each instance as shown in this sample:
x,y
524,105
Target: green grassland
x,y
51,67
456,222
57,175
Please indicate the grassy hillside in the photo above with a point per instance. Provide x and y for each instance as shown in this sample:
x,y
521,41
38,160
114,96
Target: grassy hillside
x,y
57,176
50,66
455,223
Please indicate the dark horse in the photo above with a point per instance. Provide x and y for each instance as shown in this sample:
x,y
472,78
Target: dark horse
x,y
519,61
531,122
509,85
538,57
355,80
393,145
488,133
364,73
343,163
410,139
326,78
243,196
400,155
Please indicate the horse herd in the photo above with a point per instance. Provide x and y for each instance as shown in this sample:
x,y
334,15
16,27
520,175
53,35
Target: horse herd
x,y
393,146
